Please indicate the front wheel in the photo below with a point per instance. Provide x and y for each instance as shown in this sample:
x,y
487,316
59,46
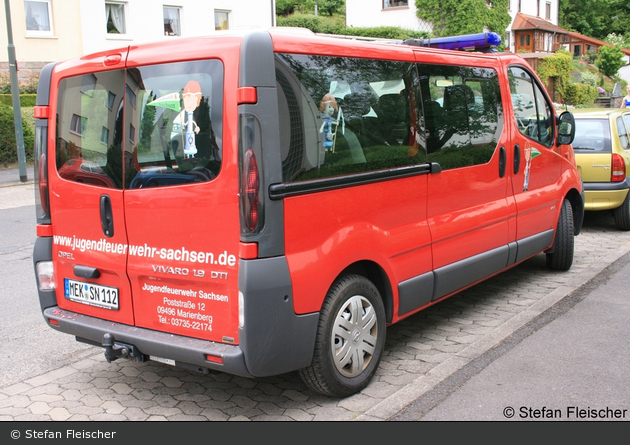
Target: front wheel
x,y
561,255
350,338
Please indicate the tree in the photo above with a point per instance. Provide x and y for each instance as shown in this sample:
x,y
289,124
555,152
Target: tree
x,y
610,60
595,18
330,7
287,7
457,17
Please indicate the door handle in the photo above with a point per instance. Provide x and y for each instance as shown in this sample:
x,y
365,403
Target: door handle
x,y
107,217
502,161
517,158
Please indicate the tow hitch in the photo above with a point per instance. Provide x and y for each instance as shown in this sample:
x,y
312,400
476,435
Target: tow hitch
x,y
115,349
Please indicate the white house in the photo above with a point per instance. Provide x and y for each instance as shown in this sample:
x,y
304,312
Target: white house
x,y
402,13
52,30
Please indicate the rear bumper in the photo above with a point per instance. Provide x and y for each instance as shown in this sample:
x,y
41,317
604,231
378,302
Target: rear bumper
x,y
184,350
604,195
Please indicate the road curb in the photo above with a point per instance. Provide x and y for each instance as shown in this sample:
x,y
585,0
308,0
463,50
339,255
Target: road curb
x,y
397,402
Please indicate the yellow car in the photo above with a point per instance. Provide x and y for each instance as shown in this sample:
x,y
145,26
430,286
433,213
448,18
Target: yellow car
x,y
602,153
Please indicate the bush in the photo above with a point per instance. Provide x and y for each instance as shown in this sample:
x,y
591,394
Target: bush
x,y
323,26
579,94
26,100
589,78
27,87
8,147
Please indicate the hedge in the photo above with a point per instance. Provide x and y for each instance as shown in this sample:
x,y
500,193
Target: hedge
x,y
319,25
26,100
8,147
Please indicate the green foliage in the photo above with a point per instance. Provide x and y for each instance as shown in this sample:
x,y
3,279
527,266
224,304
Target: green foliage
x,y
285,8
27,87
610,60
8,147
324,26
26,100
5,83
558,66
595,18
588,78
457,17
579,94
618,40
331,7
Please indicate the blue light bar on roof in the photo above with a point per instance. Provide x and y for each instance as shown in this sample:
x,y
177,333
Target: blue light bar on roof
x,y
481,41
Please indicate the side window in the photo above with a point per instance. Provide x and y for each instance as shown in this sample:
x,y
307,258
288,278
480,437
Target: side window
x,y
345,116
533,114
463,115
623,133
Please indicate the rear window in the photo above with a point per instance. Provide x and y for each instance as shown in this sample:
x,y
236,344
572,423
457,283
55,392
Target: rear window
x,y
592,135
151,126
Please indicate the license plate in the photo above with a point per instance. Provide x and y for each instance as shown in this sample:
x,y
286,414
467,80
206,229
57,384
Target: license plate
x,y
92,294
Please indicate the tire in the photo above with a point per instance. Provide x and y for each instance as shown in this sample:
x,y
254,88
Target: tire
x,y
560,256
350,338
622,214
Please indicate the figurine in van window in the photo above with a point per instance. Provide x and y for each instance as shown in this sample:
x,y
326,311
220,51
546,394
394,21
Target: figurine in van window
x,y
328,106
192,98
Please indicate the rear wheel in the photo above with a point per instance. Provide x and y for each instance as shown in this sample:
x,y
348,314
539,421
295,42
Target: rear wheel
x,y
622,214
350,338
561,255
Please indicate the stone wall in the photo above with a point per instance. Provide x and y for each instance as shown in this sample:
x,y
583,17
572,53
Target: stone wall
x,y
25,69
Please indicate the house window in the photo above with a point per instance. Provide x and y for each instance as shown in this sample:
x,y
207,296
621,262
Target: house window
x,y
38,18
116,18
577,50
221,20
394,3
104,135
132,133
548,11
111,98
131,96
78,124
172,24
507,40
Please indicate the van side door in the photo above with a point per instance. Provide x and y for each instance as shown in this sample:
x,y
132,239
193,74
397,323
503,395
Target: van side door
x,y
468,208
536,167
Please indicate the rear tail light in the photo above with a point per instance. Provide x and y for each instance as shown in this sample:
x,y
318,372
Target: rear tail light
x,y
45,275
618,173
252,183
252,189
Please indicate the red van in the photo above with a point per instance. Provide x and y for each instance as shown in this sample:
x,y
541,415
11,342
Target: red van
x,y
271,201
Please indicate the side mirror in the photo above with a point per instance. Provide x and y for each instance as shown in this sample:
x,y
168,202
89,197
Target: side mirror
x,y
566,128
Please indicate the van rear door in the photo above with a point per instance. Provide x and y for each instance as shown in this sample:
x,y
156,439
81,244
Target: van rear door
x,y
181,193
88,227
